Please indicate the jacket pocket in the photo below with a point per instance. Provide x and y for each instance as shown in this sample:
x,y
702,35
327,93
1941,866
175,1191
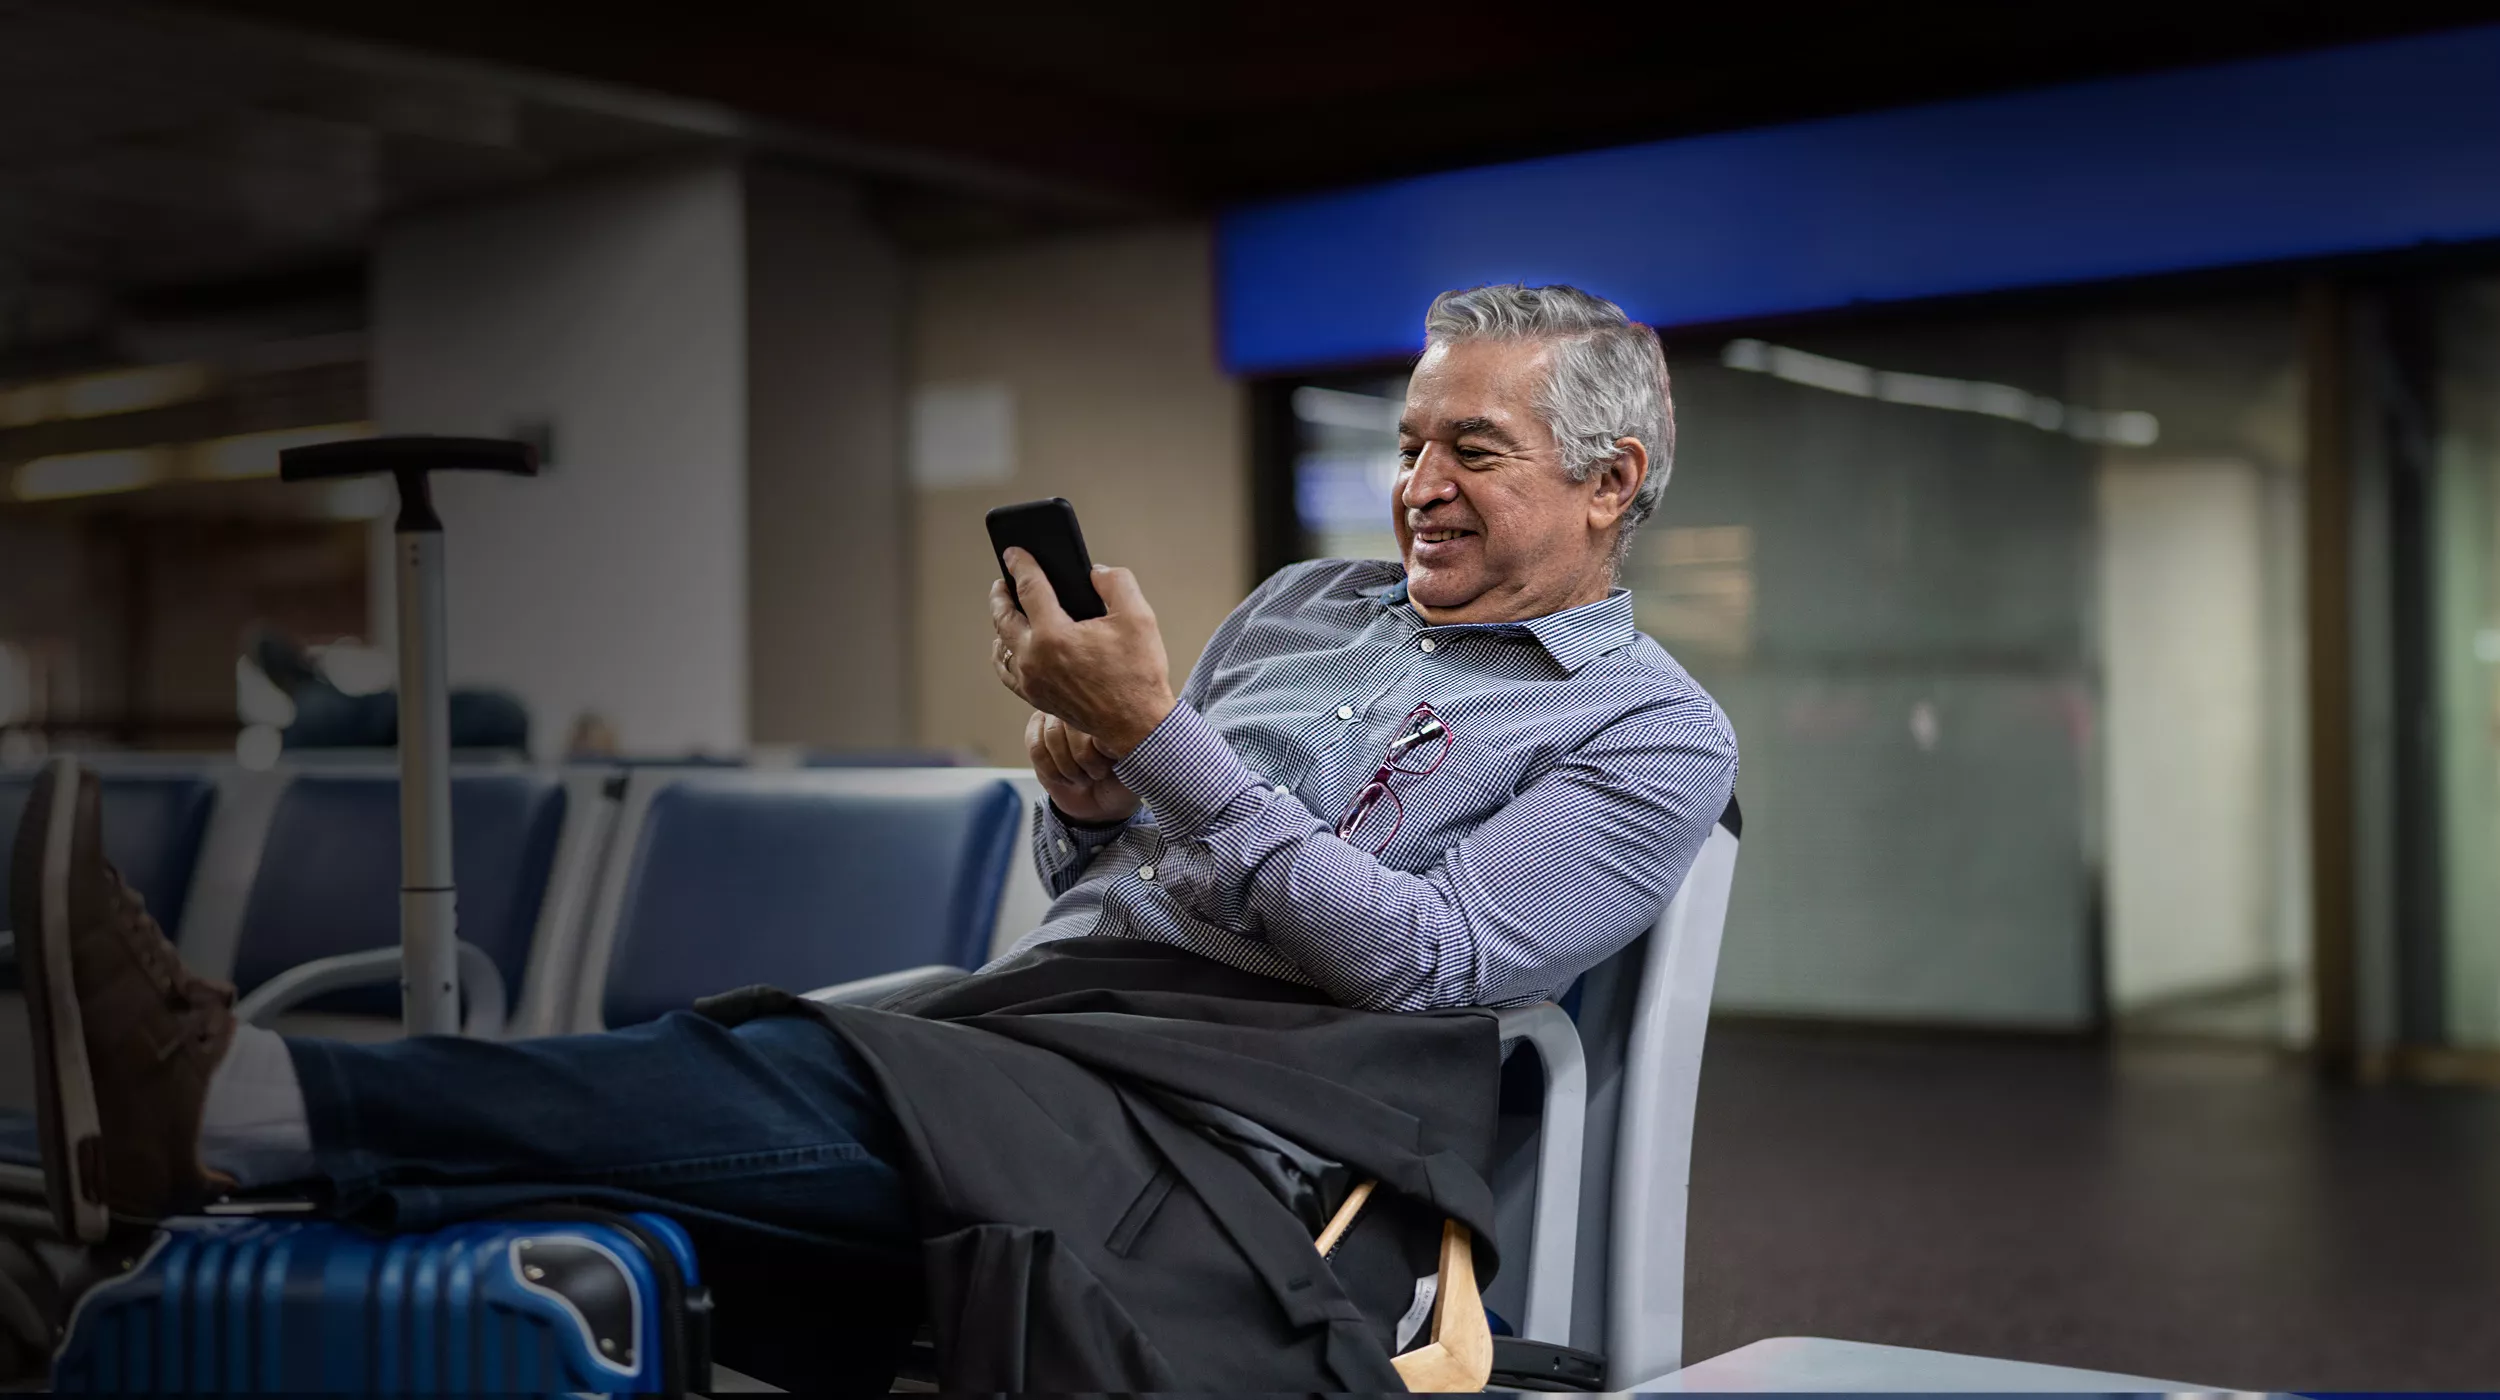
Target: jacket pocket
x,y
1012,1311
1133,1221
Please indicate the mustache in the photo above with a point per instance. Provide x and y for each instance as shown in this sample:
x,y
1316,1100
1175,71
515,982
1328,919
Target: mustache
x,y
1440,522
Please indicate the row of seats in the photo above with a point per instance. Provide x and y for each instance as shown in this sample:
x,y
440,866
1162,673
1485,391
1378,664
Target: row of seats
x,y
603,896
607,896
774,757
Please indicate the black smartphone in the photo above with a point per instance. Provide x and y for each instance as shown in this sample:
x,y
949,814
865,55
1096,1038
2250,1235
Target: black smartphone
x,y
1047,531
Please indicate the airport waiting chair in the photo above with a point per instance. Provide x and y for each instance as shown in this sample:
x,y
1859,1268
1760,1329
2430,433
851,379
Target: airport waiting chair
x,y
1024,901
1591,1173
166,822
1590,1181
156,818
1599,1183
303,862
929,848
723,879
314,944
154,821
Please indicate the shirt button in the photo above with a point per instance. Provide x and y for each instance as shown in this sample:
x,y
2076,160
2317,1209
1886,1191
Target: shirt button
x,y
1063,845
1426,643
1283,791
1345,712
1145,872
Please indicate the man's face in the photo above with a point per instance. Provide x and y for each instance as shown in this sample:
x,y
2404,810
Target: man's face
x,y
1491,527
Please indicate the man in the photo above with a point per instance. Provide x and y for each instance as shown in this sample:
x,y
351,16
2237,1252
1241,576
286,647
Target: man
x,y
1452,783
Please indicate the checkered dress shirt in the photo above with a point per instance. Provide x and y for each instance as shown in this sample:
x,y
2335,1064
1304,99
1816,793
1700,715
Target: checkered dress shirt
x,y
1585,770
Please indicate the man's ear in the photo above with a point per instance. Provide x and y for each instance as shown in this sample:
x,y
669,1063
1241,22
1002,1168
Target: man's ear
x,y
1617,481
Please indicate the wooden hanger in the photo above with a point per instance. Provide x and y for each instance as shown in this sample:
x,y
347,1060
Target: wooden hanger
x,y
1457,1354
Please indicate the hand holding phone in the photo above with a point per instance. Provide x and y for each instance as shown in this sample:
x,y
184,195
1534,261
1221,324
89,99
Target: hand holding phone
x,y
1102,671
1047,530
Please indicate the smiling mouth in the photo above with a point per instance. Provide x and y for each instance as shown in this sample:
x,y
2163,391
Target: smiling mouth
x,y
1440,536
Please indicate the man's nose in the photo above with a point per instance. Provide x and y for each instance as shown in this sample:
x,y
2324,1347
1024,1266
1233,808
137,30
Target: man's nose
x,y
1430,482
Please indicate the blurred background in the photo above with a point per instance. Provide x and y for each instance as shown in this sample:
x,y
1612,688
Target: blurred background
x,y
2087,509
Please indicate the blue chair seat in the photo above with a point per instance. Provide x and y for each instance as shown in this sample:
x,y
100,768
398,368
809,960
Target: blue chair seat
x,y
153,826
328,881
738,879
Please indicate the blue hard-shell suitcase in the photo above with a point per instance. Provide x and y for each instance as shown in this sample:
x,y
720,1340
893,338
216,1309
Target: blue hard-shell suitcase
x,y
602,1304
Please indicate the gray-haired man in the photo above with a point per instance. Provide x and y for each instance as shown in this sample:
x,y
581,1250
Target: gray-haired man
x,y
1453,782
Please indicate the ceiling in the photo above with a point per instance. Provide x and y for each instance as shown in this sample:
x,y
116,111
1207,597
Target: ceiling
x,y
172,185
185,174
1196,103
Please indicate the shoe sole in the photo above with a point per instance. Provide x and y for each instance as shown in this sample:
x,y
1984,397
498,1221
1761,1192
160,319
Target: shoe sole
x,y
66,1122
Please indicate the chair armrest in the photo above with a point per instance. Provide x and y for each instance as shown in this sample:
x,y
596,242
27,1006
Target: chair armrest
x,y
884,984
480,981
1553,1245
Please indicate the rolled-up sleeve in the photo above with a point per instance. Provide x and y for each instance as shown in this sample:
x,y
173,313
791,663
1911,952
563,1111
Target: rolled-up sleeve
x,y
1564,874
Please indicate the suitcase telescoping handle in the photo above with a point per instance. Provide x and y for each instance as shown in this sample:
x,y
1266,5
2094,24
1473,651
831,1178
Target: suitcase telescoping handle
x,y
429,936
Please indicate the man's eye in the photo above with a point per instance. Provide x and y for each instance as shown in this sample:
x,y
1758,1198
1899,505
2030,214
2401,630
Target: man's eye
x,y
1407,456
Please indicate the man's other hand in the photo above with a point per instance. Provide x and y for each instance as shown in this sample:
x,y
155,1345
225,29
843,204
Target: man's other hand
x,y
1107,676
1076,772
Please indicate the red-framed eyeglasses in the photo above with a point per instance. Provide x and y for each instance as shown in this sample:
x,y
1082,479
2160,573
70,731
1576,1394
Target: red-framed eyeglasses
x,y
1422,732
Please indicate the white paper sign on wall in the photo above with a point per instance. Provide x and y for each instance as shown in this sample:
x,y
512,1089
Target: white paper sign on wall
x,y
962,434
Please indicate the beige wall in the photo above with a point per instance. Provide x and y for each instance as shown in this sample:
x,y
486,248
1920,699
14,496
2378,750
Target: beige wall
x,y
1107,342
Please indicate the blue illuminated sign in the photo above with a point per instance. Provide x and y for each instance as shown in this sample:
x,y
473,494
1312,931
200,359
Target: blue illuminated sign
x,y
2368,148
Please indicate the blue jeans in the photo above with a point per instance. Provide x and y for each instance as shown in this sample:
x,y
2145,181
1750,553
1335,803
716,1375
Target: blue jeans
x,y
768,1141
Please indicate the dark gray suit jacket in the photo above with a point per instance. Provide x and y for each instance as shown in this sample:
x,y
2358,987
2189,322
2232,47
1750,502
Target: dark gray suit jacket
x,y
1120,1152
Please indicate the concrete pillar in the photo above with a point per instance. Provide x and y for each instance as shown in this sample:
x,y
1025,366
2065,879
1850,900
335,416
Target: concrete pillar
x,y
703,562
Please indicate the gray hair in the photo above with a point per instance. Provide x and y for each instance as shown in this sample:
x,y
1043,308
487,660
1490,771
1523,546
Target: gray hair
x,y
1608,381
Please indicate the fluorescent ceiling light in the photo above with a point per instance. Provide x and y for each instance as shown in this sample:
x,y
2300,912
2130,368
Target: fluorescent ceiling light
x,y
97,395
92,473
2124,428
130,390
27,404
1335,408
239,458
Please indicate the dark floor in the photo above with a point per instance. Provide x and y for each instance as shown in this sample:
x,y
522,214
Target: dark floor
x,y
2198,1214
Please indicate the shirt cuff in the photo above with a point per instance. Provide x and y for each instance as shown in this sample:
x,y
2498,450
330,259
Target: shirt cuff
x,y
1061,845
1078,827
1185,773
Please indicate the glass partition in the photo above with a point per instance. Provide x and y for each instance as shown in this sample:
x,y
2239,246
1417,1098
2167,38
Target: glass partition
x,y
2005,611
2463,537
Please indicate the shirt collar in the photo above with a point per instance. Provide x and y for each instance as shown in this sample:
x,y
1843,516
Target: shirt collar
x,y
1573,637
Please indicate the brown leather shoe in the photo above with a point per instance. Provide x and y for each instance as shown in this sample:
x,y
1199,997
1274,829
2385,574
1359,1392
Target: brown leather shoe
x,y
125,1036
